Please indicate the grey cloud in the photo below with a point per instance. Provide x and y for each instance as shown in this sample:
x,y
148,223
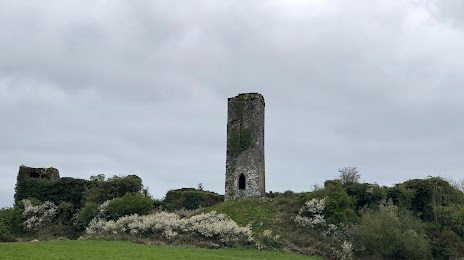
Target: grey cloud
x,y
120,88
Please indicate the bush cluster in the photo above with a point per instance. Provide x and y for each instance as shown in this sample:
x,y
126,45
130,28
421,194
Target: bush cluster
x,y
77,191
390,234
39,215
190,198
217,227
417,219
10,223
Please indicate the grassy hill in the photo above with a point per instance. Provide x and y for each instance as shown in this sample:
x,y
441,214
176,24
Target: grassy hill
x,y
261,214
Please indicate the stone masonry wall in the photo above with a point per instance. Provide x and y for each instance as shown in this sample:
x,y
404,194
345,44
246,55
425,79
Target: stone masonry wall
x,y
26,173
245,146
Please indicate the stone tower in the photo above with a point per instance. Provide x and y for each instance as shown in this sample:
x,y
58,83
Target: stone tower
x,y
245,147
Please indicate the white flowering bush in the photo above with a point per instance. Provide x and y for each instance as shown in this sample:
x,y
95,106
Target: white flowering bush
x,y
103,209
210,225
346,252
312,215
38,216
269,238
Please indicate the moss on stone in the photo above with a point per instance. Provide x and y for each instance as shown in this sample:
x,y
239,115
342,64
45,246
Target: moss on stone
x,y
239,141
239,105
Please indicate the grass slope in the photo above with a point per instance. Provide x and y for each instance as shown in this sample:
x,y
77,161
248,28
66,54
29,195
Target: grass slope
x,y
99,249
260,213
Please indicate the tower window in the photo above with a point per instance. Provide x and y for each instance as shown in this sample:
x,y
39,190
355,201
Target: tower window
x,y
241,182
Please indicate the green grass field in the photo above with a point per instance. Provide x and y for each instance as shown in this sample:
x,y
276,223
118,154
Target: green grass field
x,y
99,249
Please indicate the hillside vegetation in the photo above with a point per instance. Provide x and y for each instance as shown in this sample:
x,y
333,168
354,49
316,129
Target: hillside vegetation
x,y
345,219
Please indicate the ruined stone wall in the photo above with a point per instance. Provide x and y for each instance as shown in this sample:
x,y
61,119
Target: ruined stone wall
x,y
26,173
245,146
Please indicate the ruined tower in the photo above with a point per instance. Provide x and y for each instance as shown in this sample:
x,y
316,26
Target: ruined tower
x,y
245,147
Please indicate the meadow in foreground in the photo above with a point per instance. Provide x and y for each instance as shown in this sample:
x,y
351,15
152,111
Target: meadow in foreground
x,y
100,249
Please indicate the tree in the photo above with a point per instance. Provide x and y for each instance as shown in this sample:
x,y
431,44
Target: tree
x,y
349,175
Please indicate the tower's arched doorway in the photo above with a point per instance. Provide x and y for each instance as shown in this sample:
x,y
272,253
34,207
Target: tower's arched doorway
x,y
241,182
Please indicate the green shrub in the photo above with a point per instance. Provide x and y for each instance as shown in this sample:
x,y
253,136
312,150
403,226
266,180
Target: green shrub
x,y
129,204
190,198
338,205
445,243
289,195
57,232
12,220
5,233
452,217
365,195
77,191
391,234
401,196
272,194
65,213
87,213
66,189
430,193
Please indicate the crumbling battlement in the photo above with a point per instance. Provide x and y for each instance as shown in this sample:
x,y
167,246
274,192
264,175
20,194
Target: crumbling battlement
x,y
26,173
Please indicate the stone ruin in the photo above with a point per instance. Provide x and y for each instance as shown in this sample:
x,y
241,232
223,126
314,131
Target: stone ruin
x,y
26,173
245,147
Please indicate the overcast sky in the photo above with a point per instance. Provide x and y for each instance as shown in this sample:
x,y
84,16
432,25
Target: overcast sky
x,y
141,87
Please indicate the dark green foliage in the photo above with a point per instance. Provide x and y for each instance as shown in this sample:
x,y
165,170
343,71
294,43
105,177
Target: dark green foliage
x,y
12,218
446,234
452,217
157,204
114,187
289,195
66,189
401,196
131,203
5,233
445,244
272,194
77,191
365,195
10,223
190,198
72,194
87,213
65,213
338,205
428,194
390,234
57,231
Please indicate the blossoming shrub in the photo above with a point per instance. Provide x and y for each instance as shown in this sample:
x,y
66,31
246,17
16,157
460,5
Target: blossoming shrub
x,y
312,215
38,216
338,205
217,227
